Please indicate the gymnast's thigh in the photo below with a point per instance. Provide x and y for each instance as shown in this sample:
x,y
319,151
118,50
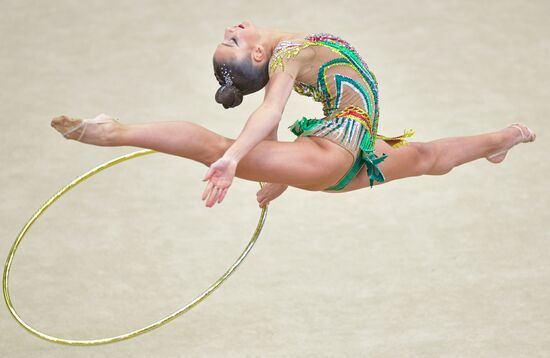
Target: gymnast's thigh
x,y
307,163
400,163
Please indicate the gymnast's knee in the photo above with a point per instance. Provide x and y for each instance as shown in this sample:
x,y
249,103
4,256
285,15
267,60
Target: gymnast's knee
x,y
215,150
425,157
432,160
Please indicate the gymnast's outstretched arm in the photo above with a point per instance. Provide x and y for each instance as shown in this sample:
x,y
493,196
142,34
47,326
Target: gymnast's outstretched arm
x,y
261,123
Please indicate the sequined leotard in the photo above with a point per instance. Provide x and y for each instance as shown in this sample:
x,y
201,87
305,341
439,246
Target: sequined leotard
x,y
348,91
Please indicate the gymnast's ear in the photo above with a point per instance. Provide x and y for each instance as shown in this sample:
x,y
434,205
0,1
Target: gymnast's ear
x,y
258,54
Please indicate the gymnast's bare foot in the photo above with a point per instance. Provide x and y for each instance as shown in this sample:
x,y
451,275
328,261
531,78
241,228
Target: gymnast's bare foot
x,y
100,130
514,134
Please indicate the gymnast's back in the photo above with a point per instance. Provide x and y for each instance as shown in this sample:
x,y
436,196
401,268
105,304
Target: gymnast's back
x,y
331,72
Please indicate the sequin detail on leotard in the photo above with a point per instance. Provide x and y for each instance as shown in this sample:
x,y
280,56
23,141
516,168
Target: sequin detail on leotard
x,y
353,126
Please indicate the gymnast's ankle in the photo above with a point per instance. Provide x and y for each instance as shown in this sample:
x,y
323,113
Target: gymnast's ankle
x,y
117,135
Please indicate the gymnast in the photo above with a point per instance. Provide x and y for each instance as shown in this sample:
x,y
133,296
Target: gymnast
x,y
341,151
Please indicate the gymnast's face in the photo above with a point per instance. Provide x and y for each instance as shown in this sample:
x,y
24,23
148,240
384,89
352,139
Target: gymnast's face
x,y
240,41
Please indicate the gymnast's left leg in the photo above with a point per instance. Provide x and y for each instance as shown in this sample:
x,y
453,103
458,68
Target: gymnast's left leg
x,y
440,156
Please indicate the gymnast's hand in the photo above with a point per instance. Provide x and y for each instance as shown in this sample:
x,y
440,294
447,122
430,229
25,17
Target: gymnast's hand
x,y
269,192
219,176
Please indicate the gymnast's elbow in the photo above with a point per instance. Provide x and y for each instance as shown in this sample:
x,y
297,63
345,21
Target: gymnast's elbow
x,y
269,112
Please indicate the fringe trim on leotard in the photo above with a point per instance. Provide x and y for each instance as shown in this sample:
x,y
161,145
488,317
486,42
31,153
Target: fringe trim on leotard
x,y
336,131
352,134
398,141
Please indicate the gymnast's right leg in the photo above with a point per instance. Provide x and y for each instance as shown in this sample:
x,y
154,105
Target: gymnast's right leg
x,y
307,163
179,138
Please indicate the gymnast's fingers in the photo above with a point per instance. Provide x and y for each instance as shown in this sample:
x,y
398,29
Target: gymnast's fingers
x,y
209,197
208,174
222,195
219,193
213,197
207,190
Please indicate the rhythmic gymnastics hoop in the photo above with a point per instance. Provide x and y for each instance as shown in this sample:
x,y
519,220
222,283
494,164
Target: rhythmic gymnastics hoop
x,y
159,323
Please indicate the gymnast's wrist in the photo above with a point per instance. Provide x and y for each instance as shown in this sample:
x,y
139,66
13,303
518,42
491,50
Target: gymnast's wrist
x,y
232,157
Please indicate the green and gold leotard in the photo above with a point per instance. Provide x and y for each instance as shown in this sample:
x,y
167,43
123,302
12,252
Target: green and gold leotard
x,y
348,91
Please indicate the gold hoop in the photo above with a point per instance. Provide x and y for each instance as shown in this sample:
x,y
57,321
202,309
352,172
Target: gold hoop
x,y
159,323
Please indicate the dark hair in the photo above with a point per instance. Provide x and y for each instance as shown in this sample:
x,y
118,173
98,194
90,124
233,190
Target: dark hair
x,y
238,78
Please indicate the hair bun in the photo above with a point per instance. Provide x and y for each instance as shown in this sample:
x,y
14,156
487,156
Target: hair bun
x,y
229,96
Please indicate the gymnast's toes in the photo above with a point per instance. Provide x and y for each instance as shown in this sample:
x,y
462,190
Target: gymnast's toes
x,y
57,121
66,125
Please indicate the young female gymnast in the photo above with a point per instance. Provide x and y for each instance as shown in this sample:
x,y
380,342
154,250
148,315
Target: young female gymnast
x,y
338,152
